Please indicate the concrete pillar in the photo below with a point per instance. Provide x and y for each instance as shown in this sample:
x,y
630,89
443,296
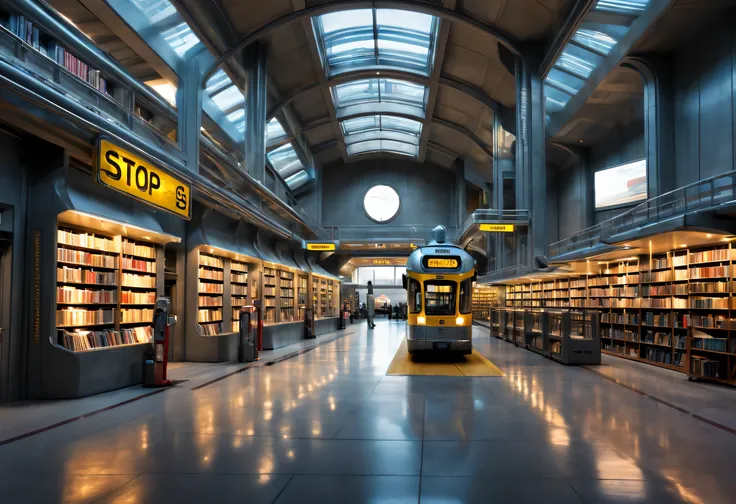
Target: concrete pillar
x,y
255,111
189,104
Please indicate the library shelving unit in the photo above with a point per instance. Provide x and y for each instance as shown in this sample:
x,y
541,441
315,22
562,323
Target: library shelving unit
x,y
672,309
534,326
301,297
238,291
138,286
269,295
211,282
92,302
483,298
498,315
573,337
286,296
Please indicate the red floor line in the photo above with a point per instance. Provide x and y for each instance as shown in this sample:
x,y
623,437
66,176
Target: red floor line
x,y
80,417
712,423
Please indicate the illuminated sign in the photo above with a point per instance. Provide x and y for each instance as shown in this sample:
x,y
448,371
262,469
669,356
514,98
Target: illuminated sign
x,y
130,174
443,263
497,228
321,246
382,262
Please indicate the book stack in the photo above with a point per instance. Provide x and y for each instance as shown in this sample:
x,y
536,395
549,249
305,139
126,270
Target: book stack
x,y
80,317
71,295
80,341
129,316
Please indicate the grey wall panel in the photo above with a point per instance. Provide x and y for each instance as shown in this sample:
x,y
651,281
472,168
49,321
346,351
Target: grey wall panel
x,y
704,108
553,205
426,192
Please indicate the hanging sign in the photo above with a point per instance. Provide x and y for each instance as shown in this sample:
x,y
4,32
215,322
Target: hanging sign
x,y
128,173
322,247
497,228
382,262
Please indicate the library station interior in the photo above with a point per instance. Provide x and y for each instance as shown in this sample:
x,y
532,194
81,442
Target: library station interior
x,y
368,251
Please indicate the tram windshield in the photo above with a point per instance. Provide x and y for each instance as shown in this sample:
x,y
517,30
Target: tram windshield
x,y
439,297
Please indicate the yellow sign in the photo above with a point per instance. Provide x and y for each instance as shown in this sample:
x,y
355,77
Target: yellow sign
x,y
412,246
123,171
382,262
497,228
442,263
320,246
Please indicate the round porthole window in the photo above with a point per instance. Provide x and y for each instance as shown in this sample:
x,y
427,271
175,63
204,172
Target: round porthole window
x,y
381,203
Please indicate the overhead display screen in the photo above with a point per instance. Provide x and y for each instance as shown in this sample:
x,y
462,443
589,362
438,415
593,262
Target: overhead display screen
x,y
621,185
441,263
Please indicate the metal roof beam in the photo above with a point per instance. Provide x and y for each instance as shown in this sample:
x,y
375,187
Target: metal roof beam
x,y
572,22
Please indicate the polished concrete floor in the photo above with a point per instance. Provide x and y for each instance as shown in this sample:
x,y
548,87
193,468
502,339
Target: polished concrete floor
x,y
329,426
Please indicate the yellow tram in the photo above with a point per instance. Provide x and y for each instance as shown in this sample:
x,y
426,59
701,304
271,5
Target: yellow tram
x,y
439,283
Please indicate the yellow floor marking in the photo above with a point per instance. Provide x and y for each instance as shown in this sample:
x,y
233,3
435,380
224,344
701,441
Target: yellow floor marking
x,y
468,365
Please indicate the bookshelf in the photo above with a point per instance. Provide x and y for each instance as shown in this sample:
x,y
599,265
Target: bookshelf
x,y
269,295
483,298
211,283
238,291
301,297
92,308
322,298
286,295
674,309
138,288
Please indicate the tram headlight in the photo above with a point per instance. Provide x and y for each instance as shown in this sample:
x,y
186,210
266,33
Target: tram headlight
x,y
421,320
459,321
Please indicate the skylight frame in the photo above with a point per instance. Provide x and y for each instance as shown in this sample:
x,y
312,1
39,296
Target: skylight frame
x,y
382,133
285,160
377,90
344,46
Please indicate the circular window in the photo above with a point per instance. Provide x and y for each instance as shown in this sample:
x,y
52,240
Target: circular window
x,y
381,203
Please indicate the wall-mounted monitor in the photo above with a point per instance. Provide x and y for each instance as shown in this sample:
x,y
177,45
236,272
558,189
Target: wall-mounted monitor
x,y
621,185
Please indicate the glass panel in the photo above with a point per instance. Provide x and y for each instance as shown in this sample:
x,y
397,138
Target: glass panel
x,y
360,124
384,276
228,98
163,19
414,296
439,297
466,296
365,275
556,98
403,39
382,123
285,160
274,129
564,81
383,145
297,180
359,91
400,271
634,7
403,91
578,61
598,41
392,123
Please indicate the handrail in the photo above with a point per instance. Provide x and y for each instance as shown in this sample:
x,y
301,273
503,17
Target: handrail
x,y
705,194
380,231
515,215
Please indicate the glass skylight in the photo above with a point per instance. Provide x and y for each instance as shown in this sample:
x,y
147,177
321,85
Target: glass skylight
x,y
274,130
399,135
391,146
228,98
381,123
297,180
285,160
379,90
362,38
593,40
158,17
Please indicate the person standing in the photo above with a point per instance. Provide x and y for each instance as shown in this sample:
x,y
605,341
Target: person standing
x,y
370,302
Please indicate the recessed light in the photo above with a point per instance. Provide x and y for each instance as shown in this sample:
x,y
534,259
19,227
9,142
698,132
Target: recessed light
x,y
709,235
146,237
683,245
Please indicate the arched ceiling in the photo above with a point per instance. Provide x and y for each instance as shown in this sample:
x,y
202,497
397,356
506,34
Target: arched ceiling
x,y
469,78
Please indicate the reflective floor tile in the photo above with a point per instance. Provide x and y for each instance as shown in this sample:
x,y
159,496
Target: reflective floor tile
x,y
199,488
66,488
490,490
351,489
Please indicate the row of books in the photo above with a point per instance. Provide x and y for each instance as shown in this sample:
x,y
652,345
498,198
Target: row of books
x,y
707,342
139,265
622,334
89,240
84,317
704,366
287,275
707,287
269,272
659,355
679,260
707,302
78,275
132,248
658,338
128,315
620,318
210,301
133,297
657,319
269,291
211,274
660,263
239,290
656,290
238,267
239,277
210,288
269,302
211,261
68,294
709,272
209,315
80,341
711,255
656,276
133,280
287,284
716,321
620,349
210,329
86,258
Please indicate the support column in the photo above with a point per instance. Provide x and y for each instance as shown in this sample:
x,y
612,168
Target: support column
x,y
531,170
255,111
189,105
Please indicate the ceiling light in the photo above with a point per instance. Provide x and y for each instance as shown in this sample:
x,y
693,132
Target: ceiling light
x,y
683,245
709,235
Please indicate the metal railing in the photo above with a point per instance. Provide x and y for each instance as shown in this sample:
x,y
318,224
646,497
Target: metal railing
x,y
383,232
705,195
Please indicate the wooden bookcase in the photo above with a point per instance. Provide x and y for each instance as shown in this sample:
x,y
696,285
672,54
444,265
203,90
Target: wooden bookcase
x,y
238,291
211,283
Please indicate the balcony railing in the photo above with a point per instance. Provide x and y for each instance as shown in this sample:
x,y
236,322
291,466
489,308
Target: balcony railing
x,y
705,195
387,232
493,216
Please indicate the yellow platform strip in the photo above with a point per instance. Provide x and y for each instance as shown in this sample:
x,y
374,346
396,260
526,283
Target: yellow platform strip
x,y
441,365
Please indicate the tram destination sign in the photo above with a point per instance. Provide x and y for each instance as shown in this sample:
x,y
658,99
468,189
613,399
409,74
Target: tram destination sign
x,y
497,228
128,173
